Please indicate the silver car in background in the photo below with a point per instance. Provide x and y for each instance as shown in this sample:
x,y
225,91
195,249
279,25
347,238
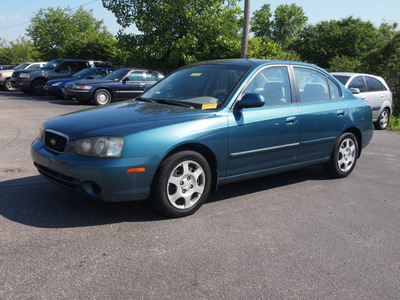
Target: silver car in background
x,y
372,89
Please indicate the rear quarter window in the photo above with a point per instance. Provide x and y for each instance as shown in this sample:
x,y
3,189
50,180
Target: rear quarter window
x,y
374,85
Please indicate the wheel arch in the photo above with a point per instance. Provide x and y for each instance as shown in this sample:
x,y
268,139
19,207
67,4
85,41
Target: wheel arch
x,y
358,135
38,78
103,88
205,151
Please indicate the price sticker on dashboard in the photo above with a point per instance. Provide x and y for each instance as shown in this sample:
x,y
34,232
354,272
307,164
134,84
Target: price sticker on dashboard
x,y
209,106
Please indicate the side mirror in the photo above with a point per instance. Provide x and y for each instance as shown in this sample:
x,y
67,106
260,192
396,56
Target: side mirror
x,y
125,79
354,91
250,100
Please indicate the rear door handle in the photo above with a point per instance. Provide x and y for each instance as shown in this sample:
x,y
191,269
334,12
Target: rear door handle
x,y
340,113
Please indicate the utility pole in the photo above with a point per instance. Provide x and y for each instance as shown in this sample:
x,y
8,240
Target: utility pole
x,y
246,21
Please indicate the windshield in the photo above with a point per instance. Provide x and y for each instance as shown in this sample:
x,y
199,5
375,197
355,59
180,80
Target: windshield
x,y
343,79
82,73
116,75
21,66
201,86
52,64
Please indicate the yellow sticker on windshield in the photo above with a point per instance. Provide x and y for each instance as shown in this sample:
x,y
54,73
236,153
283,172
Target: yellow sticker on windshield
x,y
196,74
116,79
209,106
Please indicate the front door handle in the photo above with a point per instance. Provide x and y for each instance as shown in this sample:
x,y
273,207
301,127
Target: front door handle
x,y
291,121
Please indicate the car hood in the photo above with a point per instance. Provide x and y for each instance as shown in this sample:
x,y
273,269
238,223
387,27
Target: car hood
x,y
122,119
33,71
63,80
95,81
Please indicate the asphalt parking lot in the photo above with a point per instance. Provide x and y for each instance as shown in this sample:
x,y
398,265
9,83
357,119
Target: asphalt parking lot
x,y
297,235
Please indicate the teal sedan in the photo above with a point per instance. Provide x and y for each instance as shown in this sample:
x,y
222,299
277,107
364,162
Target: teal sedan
x,y
204,125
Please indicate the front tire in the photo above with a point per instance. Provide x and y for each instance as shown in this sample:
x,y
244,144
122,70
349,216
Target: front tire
x,y
181,185
383,120
8,86
102,97
344,156
37,87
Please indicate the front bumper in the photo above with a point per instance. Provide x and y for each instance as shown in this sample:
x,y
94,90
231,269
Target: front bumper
x,y
53,91
105,179
22,84
82,95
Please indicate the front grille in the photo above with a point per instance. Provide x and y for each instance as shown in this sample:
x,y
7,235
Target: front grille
x,y
59,178
55,141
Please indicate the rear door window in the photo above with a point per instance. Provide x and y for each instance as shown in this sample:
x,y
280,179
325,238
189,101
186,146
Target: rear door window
x,y
312,85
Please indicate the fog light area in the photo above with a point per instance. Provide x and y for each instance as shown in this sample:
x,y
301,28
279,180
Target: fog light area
x,y
92,188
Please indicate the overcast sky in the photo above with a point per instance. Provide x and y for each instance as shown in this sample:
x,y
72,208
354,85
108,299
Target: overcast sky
x,y
15,15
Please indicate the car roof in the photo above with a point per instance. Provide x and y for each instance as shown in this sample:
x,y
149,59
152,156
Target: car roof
x,y
352,74
251,62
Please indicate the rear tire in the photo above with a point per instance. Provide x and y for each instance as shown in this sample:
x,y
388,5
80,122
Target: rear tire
x,y
344,156
383,120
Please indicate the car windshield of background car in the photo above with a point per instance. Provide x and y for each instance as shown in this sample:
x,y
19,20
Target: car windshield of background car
x,y
81,73
204,87
116,75
52,64
21,66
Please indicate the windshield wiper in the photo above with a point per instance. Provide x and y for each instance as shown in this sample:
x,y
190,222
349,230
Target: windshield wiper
x,y
171,102
144,99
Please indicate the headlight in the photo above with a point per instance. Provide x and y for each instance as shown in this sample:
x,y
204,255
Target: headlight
x,y
56,83
41,132
24,75
82,87
100,146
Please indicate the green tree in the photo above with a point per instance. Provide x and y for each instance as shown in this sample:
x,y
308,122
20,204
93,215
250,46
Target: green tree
x,y
288,22
349,37
282,28
18,51
62,33
261,23
177,32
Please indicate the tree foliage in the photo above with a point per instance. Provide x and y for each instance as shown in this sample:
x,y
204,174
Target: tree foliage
x,y
177,32
18,51
261,23
283,28
348,37
64,33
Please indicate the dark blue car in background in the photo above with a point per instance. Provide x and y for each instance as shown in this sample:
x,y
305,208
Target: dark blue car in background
x,y
204,125
122,84
54,87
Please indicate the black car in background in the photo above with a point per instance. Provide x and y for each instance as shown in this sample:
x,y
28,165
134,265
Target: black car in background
x,y
121,84
33,81
54,87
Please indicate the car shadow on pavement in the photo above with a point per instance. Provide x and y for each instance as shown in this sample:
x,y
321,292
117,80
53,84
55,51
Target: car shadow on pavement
x,y
268,182
34,201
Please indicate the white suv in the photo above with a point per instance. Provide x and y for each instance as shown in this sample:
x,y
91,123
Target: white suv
x,y
372,89
5,75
